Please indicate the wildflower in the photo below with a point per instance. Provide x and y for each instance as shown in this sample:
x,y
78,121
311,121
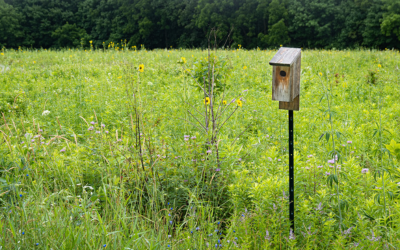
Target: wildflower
x,y
103,126
373,238
92,122
291,235
224,102
46,112
319,166
141,68
90,128
106,131
331,166
244,67
267,237
20,195
104,245
239,103
349,142
119,77
2,54
240,159
209,151
319,208
327,173
193,137
320,73
279,159
97,132
169,246
206,100
23,233
307,168
310,156
364,170
170,222
37,244
331,161
169,236
380,66
62,150
197,228
33,140
183,59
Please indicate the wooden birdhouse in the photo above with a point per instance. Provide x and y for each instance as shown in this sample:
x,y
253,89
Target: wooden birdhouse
x,y
286,78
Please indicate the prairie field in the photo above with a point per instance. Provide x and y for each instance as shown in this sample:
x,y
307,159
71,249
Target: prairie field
x,y
185,149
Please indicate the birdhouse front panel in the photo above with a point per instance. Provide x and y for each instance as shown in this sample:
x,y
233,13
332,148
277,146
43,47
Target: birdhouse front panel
x,y
281,81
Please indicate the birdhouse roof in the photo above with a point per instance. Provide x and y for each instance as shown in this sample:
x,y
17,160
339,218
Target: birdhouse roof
x,y
285,56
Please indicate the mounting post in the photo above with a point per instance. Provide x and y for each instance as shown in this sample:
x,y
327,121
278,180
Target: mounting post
x,y
291,171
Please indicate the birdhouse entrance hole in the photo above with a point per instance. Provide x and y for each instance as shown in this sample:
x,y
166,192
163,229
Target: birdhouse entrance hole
x,y
283,73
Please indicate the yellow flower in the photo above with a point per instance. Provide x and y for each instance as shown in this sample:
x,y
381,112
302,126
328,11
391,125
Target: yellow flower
x,y
239,103
34,61
183,59
281,45
119,77
224,102
141,67
380,66
206,101
90,60
2,54
245,67
320,73
90,41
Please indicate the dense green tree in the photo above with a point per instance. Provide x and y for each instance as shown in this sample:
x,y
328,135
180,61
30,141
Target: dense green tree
x,y
10,28
187,23
69,35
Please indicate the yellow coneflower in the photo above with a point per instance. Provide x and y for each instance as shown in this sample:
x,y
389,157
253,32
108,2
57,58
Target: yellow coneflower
x,y
244,67
239,103
119,77
206,100
90,60
141,68
380,66
2,54
183,59
224,102
320,73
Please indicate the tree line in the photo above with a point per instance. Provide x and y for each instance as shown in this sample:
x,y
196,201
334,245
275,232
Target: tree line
x,y
187,23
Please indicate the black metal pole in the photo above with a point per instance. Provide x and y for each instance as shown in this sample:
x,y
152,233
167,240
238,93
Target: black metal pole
x,y
291,171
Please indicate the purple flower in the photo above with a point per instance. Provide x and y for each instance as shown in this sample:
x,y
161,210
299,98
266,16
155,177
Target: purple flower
x,y
319,166
33,140
291,235
97,132
193,137
245,90
91,128
62,150
186,136
106,131
209,151
331,166
307,168
267,136
327,173
93,123
217,169
331,161
310,156
233,100
186,139
364,170
240,159
22,142
103,125
269,158
349,142
40,130
279,159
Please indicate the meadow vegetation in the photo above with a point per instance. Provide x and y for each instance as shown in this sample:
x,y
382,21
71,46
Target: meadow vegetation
x,y
121,149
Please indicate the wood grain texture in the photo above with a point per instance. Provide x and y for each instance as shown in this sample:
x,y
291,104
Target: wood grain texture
x,y
285,56
294,105
281,85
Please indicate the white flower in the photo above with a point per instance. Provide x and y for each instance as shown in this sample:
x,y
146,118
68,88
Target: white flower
x,y
46,112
